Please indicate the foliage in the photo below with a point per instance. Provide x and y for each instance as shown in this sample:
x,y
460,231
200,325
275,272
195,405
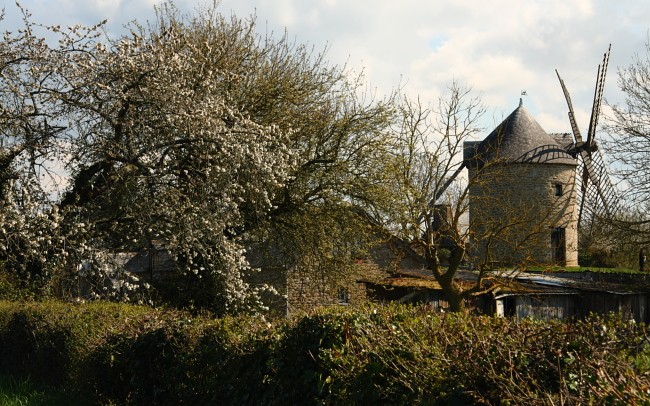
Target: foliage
x,y
161,152
596,258
193,134
128,355
629,128
422,211
23,392
615,242
30,137
587,268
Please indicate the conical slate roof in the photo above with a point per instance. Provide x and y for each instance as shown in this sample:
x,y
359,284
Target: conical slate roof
x,y
518,139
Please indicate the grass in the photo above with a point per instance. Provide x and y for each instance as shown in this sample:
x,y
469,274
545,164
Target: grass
x,y
23,392
582,269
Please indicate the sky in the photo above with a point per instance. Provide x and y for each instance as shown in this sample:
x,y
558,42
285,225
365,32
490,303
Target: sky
x,y
499,48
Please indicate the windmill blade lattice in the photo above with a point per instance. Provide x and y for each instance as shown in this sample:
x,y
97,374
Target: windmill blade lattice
x,y
598,96
572,115
599,198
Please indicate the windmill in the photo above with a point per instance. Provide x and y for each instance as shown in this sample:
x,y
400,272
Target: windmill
x,y
520,172
597,196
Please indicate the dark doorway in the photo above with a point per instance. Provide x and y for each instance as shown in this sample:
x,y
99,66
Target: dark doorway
x,y
510,306
558,246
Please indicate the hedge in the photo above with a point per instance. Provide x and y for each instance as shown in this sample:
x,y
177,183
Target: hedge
x,y
122,354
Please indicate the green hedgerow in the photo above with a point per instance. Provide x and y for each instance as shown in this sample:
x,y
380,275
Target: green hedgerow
x,y
395,354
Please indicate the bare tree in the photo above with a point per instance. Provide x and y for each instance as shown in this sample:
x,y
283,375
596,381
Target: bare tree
x,y
628,128
428,155
438,177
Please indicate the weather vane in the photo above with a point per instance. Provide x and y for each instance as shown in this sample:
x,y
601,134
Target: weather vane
x,y
523,93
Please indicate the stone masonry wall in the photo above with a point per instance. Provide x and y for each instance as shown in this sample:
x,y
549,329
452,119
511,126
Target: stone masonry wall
x,y
514,209
310,289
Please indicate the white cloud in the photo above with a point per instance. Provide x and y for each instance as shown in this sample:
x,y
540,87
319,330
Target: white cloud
x,y
499,47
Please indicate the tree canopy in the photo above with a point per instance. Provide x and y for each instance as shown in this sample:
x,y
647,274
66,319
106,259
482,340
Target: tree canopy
x,y
196,136
192,133
629,128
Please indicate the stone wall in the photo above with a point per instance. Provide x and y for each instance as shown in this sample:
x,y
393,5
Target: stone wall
x,y
309,289
301,290
514,209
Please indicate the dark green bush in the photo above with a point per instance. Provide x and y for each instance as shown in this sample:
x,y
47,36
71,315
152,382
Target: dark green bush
x,y
123,354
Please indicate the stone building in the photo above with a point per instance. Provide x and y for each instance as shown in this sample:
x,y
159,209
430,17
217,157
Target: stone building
x,y
302,289
522,195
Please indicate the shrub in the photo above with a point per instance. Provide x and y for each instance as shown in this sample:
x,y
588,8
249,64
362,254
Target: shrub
x,y
125,354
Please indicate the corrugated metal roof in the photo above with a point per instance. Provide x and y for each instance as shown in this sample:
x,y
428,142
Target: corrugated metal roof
x,y
541,279
585,281
511,283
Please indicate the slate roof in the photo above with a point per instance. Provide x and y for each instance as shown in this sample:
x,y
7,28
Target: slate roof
x,y
518,139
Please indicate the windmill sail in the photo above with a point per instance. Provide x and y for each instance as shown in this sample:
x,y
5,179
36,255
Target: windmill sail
x,y
596,192
600,189
598,96
572,115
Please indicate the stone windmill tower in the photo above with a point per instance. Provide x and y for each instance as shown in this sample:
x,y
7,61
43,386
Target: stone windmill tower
x,y
525,185
522,194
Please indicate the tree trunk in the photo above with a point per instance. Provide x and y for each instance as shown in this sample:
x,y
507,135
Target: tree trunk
x,y
453,293
455,300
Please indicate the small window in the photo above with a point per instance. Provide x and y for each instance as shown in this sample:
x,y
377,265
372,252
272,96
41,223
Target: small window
x,y
344,297
558,189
